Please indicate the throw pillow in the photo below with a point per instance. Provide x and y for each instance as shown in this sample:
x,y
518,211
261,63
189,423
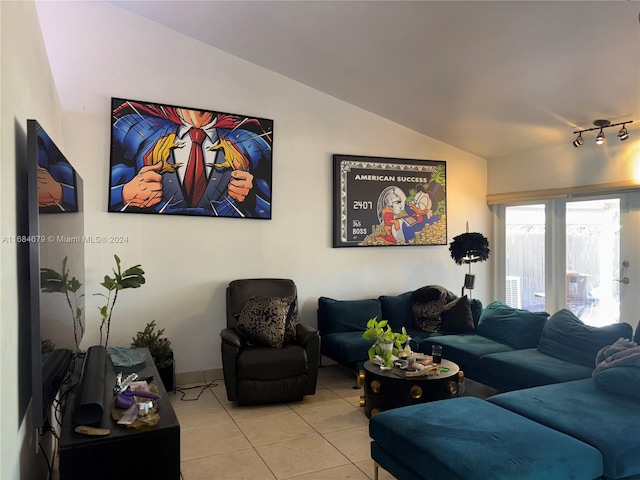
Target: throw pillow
x,y
512,326
457,317
292,320
623,381
427,315
263,320
476,310
568,338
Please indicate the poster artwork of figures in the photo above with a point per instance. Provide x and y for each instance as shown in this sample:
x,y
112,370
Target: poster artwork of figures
x,y
185,161
388,202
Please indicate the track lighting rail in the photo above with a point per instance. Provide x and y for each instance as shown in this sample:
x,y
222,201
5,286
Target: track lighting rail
x,y
623,134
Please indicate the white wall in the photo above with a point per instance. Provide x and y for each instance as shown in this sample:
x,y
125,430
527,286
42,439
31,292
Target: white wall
x,y
567,166
27,91
189,261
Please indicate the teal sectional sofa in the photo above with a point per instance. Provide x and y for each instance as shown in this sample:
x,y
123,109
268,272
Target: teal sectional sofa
x,y
342,322
576,430
505,348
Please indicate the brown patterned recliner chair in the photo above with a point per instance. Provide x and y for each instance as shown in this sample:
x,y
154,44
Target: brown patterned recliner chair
x,y
255,373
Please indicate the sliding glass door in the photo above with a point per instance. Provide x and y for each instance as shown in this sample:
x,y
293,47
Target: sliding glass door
x,y
580,254
593,260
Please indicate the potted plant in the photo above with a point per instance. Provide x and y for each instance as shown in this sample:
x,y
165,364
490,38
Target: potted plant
x,y
132,277
160,350
387,342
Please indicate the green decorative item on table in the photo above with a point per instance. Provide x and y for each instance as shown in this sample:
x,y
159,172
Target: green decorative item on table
x,y
387,342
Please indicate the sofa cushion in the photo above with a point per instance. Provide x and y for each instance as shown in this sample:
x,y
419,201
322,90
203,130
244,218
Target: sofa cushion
x,y
397,310
345,347
623,381
468,438
457,316
346,315
513,326
566,337
583,411
465,349
530,368
264,320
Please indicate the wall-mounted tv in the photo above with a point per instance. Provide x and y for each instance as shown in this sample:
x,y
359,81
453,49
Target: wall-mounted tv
x,y
56,267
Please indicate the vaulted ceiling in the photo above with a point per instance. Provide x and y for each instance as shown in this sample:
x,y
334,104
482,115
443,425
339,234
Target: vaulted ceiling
x,y
493,78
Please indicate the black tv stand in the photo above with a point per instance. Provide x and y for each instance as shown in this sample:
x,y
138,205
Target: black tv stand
x,y
126,452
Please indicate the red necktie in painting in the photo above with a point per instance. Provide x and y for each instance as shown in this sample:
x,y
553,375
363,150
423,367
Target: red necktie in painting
x,y
195,178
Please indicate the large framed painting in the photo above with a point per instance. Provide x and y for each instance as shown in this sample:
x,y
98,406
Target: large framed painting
x,y
175,160
388,202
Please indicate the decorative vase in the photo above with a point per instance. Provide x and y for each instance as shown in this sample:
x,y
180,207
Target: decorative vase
x,y
387,351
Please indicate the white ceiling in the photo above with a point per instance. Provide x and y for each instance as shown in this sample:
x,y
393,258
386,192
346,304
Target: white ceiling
x,y
493,78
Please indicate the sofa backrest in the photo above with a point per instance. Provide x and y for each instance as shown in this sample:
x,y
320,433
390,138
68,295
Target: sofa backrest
x,y
352,315
346,315
512,326
568,338
397,310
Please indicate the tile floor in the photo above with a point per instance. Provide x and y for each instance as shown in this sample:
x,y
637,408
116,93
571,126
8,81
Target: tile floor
x,y
324,437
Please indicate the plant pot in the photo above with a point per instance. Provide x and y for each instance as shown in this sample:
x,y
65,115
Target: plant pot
x,y
167,375
387,348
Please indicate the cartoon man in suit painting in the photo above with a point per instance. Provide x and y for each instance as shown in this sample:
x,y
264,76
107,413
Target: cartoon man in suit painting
x,y
184,161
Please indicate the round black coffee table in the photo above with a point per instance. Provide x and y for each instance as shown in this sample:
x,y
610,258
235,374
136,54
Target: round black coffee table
x,y
387,389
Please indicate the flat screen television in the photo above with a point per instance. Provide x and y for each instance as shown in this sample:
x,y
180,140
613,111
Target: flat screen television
x,y
56,267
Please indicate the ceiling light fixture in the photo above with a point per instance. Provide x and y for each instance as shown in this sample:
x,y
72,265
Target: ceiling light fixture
x,y
623,134
578,141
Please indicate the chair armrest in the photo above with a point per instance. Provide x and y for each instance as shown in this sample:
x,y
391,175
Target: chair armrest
x,y
231,337
305,333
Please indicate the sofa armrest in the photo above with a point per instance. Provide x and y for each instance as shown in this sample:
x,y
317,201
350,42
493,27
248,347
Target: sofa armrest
x,y
232,338
305,333
310,340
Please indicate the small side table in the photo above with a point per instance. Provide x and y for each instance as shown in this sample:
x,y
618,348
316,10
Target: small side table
x,y
387,389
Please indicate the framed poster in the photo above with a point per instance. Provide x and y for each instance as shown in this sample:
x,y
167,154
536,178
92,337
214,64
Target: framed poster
x,y
189,161
388,202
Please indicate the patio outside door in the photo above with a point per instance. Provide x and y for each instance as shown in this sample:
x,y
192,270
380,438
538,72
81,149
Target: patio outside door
x,y
576,254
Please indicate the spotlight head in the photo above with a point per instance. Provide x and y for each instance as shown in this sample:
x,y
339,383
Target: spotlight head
x,y
623,134
600,138
578,141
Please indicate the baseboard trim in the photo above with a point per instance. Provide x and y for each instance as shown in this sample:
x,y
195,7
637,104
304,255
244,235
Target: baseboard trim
x,y
198,378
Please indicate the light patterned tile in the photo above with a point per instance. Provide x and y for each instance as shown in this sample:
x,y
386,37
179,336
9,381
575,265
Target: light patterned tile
x,y
353,443
239,465
300,456
275,428
333,416
322,395
213,440
245,412
199,416
345,472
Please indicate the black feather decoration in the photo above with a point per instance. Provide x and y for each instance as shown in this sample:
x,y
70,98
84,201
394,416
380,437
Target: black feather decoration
x,y
469,247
